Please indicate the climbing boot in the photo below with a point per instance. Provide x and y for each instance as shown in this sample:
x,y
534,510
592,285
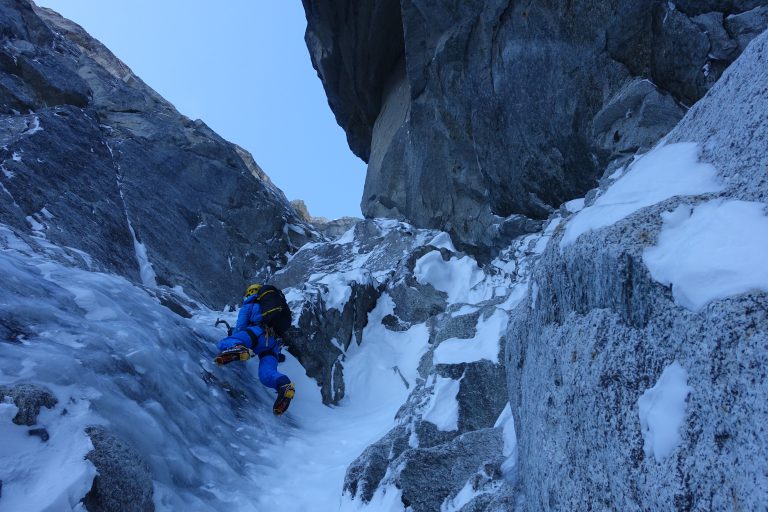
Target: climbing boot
x,y
285,394
236,353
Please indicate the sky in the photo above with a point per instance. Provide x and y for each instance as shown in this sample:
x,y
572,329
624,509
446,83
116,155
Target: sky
x,y
243,68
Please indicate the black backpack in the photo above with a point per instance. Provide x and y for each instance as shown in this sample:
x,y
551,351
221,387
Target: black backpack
x,y
274,309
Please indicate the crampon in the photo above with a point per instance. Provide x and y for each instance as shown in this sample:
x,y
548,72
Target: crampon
x,y
285,394
238,353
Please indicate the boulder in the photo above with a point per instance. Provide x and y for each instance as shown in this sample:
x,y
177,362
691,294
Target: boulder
x,y
123,482
29,398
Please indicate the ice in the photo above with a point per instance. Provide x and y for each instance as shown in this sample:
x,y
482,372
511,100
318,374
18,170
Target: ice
x,y
146,272
457,277
507,422
664,172
662,412
485,344
443,408
716,250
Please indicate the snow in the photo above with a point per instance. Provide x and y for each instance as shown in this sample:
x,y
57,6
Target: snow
x,y
36,226
207,434
315,456
662,412
112,355
716,250
443,408
347,238
457,277
575,205
52,475
34,127
664,172
485,344
442,241
16,156
464,496
387,498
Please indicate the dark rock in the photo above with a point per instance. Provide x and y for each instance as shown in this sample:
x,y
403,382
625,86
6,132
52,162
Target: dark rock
x,y
487,110
123,482
721,45
41,433
693,7
746,26
635,118
365,474
29,398
103,154
428,476
679,54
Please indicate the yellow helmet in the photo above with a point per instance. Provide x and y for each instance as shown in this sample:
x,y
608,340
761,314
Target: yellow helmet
x,y
252,290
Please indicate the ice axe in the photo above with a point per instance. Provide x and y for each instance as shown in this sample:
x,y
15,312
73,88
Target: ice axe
x,y
229,327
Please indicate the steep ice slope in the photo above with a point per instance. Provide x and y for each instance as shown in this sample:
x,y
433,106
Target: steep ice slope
x,y
112,355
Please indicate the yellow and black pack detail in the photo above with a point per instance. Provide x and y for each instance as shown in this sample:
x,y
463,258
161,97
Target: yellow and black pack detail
x,y
275,312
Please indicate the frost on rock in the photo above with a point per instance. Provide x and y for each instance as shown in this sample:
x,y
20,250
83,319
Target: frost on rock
x,y
665,171
716,250
662,412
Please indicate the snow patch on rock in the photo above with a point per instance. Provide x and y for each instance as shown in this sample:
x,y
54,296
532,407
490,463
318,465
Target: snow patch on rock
x,y
664,172
457,277
443,409
662,412
485,344
716,250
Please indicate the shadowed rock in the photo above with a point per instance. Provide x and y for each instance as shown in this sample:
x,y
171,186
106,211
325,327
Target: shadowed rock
x,y
123,482
490,108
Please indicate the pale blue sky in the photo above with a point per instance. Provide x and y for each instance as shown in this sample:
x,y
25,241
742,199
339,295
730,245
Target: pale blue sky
x,y
242,67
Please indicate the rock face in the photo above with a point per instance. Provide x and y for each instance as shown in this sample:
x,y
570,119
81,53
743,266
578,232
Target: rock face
x,y
599,330
123,481
470,112
456,393
333,286
94,159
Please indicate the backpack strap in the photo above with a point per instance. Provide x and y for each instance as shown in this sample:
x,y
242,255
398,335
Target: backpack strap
x,y
253,336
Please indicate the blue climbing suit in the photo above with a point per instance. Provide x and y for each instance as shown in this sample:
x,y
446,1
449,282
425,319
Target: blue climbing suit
x,y
249,333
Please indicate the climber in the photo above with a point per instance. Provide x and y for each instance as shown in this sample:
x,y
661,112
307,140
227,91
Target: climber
x,y
260,330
